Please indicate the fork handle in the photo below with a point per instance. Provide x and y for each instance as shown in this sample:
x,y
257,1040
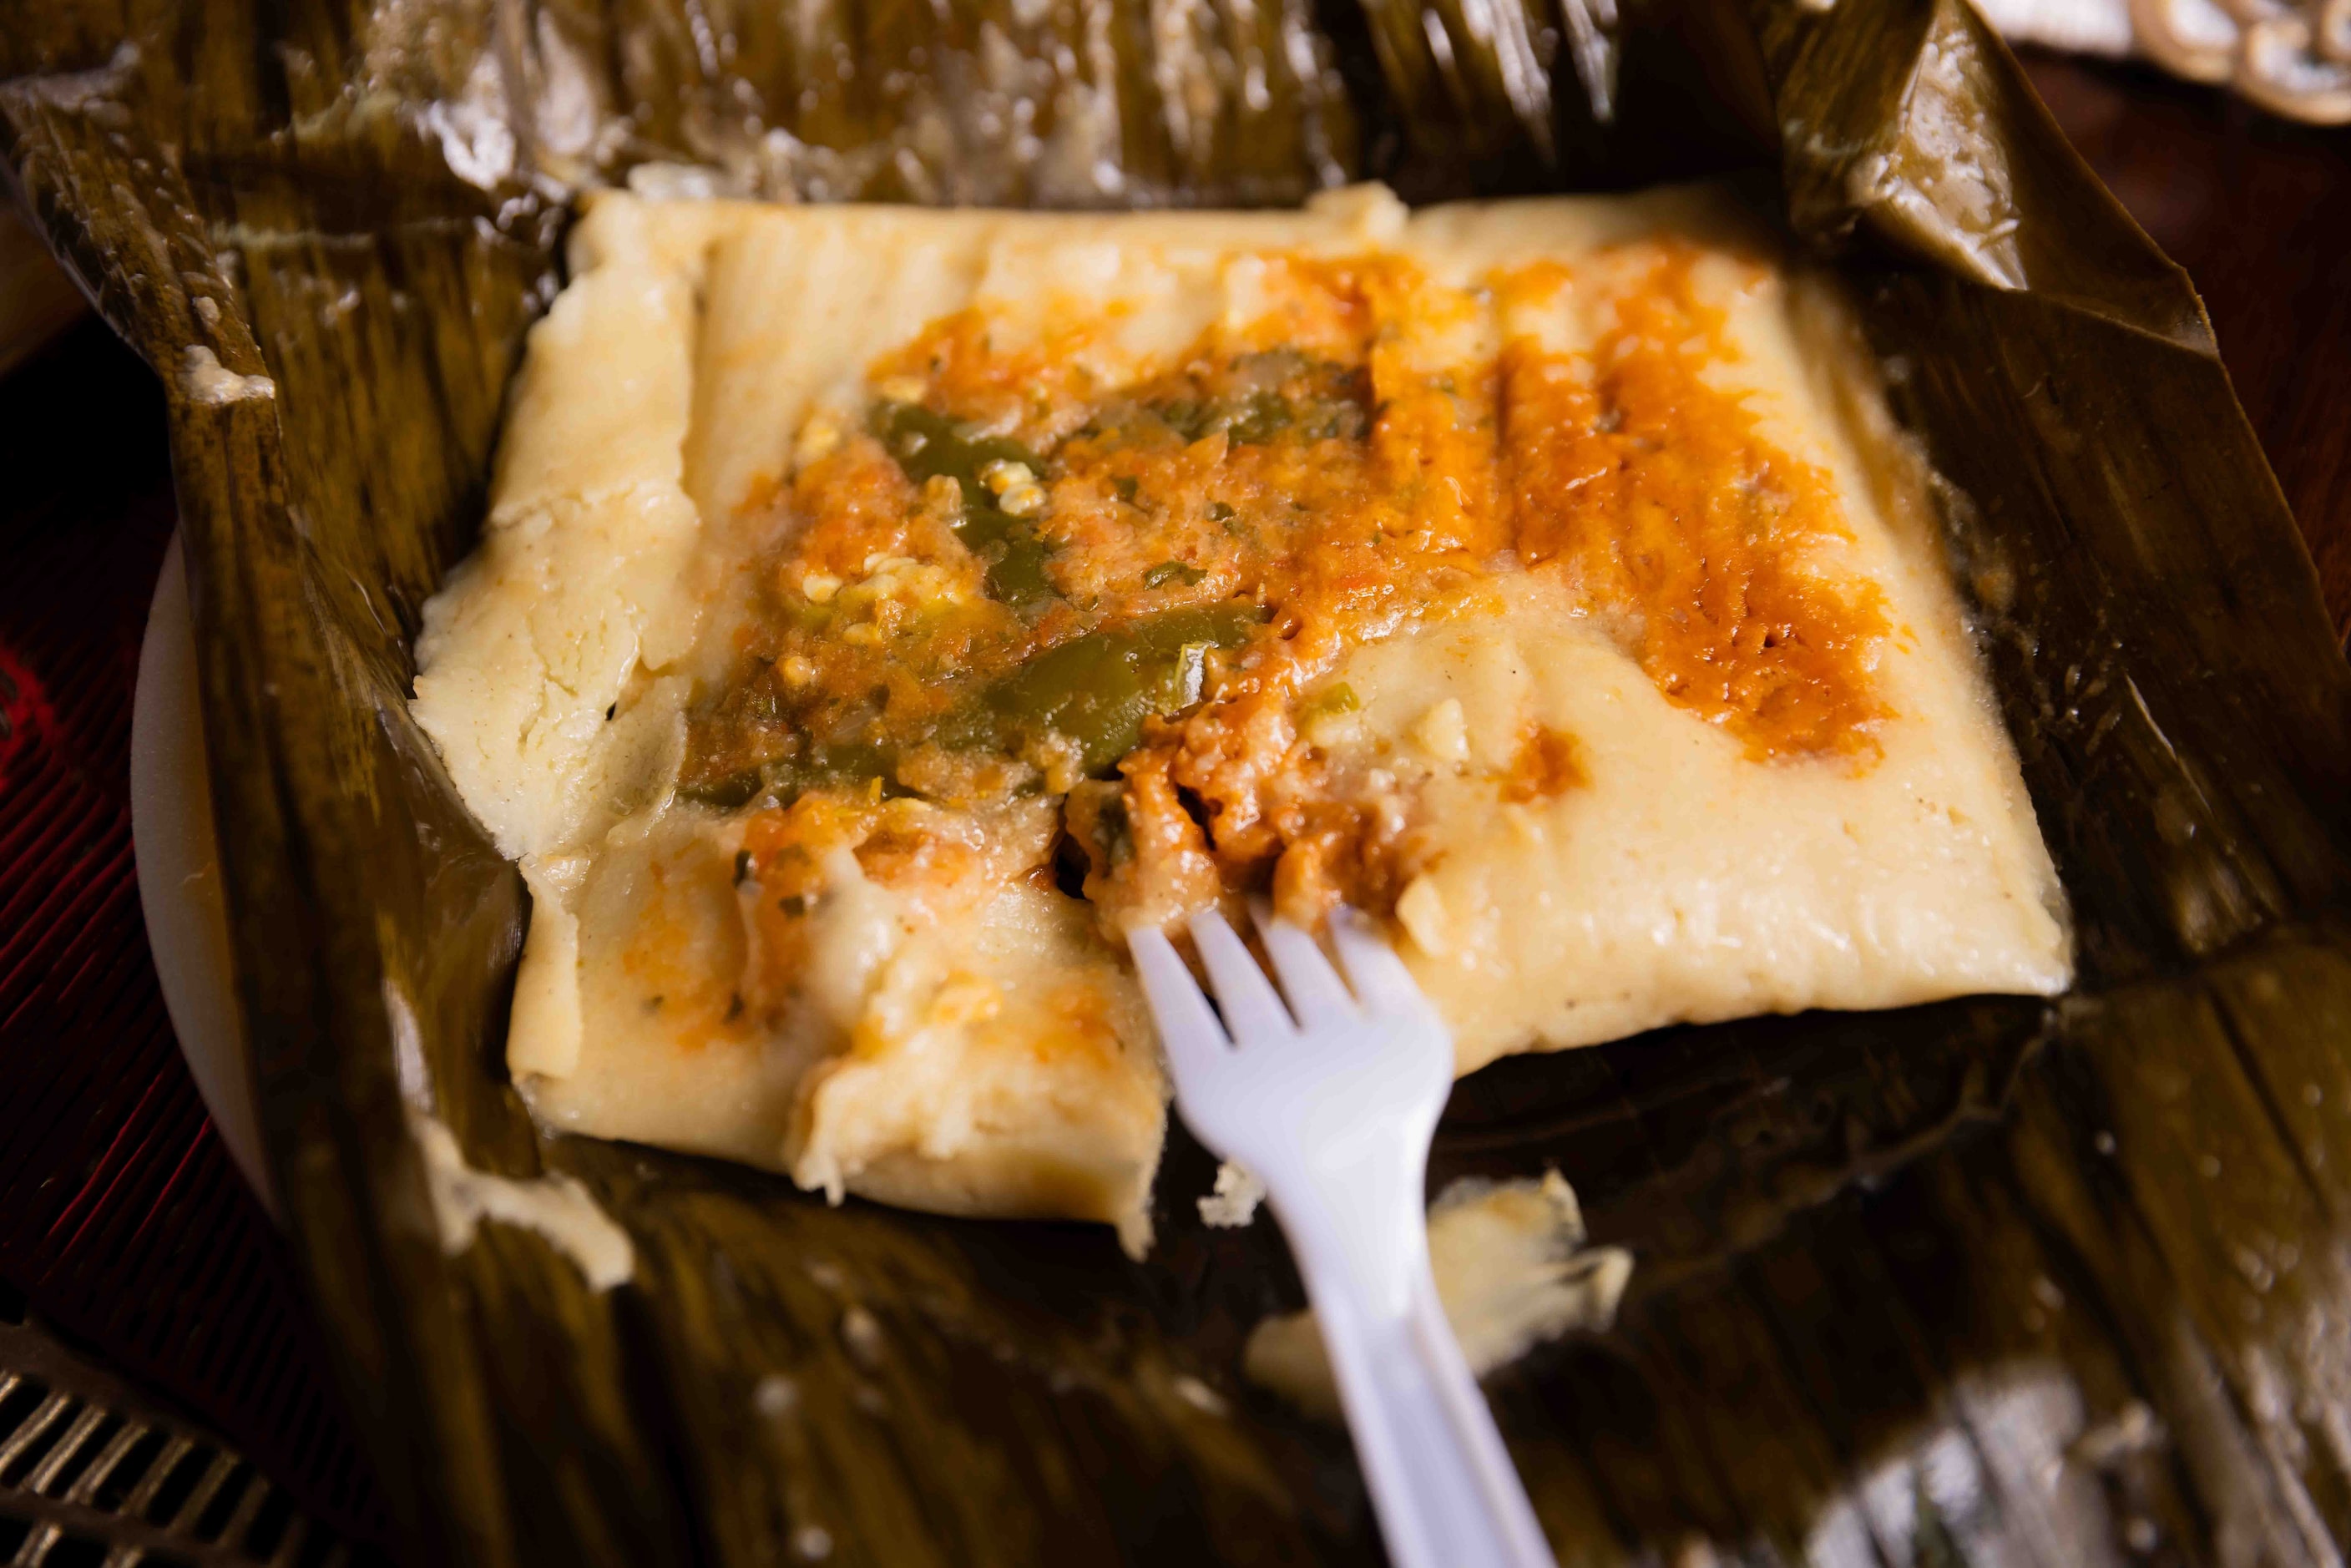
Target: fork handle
x,y
1446,1491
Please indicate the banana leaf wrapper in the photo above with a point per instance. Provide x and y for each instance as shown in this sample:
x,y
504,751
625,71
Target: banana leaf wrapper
x,y
1993,1280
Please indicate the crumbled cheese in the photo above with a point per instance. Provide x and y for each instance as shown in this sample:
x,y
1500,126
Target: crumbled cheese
x,y
1002,474
205,380
821,436
902,389
1443,732
1333,728
893,583
1421,912
1513,1269
1234,1203
556,1206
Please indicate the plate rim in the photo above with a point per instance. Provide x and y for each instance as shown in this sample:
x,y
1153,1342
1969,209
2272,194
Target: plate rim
x,y
176,860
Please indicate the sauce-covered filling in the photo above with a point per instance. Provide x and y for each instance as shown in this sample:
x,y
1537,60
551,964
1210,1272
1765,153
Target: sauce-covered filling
x,y
1013,580
1628,467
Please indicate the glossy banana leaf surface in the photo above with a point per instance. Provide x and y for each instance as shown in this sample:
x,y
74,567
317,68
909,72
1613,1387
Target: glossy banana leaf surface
x,y
1991,1282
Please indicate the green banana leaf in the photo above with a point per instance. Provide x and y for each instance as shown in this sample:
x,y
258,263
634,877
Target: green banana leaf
x,y
1988,1281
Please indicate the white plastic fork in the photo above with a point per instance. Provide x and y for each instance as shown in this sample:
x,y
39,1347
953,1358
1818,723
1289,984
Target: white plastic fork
x,y
1330,1101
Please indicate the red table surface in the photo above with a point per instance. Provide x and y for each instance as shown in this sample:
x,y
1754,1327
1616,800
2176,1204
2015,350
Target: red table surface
x,y
121,1218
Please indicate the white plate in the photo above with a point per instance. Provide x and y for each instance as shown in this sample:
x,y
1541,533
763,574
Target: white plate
x,y
178,862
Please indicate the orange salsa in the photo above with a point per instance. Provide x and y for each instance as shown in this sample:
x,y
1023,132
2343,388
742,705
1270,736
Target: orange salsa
x,y
1014,582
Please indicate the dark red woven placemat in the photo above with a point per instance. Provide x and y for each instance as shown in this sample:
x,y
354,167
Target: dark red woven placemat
x,y
122,1220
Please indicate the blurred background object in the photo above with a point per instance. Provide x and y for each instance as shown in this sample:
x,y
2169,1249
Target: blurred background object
x,y
2258,210
2291,57
93,1468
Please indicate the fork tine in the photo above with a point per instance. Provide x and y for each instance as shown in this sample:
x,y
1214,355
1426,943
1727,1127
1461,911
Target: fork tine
x,y
1244,995
1188,1030
1379,975
1314,991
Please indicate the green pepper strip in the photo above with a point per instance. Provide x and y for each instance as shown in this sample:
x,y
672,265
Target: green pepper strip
x,y
1097,689
928,444
789,777
1168,571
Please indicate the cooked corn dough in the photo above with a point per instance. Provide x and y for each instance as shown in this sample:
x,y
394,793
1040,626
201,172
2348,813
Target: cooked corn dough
x,y
880,611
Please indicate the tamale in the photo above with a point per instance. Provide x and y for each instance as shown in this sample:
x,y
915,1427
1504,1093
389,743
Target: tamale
x,y
1513,571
